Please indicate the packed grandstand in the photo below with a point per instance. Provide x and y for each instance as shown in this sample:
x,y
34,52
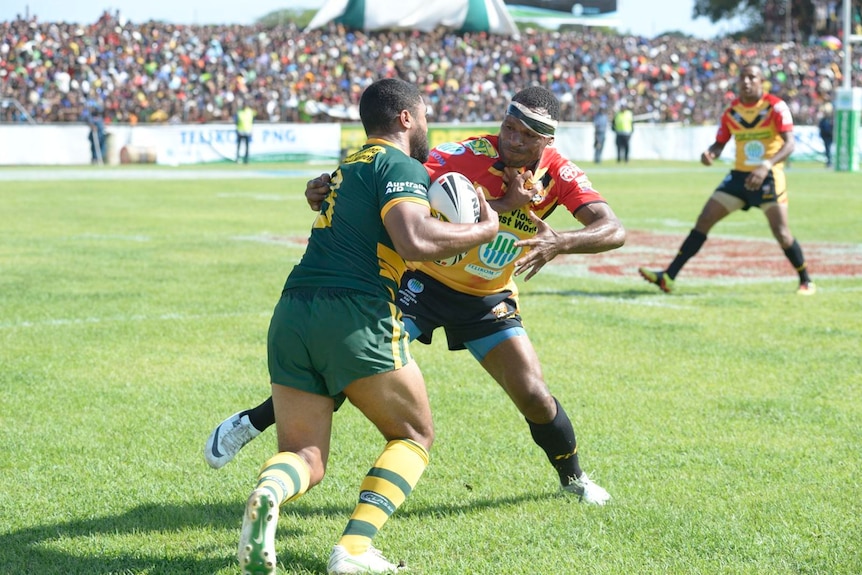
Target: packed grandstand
x,y
160,72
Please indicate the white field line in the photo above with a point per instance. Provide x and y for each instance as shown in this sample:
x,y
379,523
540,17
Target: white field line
x,y
265,197
111,237
61,322
43,175
657,300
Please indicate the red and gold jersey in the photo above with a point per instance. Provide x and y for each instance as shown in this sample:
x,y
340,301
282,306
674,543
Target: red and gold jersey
x,y
757,129
490,268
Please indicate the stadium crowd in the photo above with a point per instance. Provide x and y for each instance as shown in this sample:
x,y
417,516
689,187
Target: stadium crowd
x,y
161,72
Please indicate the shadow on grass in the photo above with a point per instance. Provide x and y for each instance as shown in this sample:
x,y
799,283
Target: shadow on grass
x,y
33,550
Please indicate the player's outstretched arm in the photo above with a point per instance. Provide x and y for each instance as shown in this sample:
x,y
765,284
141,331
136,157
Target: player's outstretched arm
x,y
602,231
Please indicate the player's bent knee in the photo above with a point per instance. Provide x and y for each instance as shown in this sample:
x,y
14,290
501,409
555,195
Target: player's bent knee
x,y
423,436
538,406
316,466
426,440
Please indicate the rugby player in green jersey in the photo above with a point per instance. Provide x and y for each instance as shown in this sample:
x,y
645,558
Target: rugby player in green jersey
x,y
337,334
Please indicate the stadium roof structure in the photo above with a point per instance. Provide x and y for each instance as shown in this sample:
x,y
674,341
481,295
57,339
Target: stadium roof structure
x,y
461,15
552,14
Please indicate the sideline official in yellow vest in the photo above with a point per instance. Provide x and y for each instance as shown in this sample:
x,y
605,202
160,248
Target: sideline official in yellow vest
x,y
624,125
244,126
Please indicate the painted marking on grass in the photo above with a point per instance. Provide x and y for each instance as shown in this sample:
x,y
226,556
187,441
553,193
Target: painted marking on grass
x,y
720,258
111,237
274,239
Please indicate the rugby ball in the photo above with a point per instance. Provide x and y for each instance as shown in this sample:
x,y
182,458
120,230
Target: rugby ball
x,y
453,199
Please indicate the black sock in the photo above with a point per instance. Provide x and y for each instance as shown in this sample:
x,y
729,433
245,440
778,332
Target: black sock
x,y
261,416
557,439
689,247
797,260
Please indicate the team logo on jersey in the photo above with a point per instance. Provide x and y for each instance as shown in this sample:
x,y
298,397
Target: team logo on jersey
x,y
415,187
500,252
500,310
415,285
482,272
754,151
568,172
452,148
482,147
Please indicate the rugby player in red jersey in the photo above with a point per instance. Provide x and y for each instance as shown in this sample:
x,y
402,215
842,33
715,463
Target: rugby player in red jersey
x,y
762,127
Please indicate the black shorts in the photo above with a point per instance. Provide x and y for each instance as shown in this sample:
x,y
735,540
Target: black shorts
x,y
734,185
464,317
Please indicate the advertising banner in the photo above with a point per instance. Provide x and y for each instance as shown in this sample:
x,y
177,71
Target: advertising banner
x,y
208,143
848,107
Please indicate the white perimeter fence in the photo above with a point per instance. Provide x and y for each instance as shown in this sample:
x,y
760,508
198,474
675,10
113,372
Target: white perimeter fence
x,y
184,144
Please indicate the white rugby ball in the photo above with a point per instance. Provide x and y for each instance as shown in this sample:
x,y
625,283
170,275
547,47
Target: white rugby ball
x,y
453,199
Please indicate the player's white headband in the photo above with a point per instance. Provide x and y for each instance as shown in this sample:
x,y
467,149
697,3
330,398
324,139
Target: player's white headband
x,y
539,123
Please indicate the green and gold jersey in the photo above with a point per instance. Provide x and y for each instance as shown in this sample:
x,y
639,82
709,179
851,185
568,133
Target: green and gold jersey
x,y
349,246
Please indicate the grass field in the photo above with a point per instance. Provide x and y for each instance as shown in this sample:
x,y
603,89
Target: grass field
x,y
724,419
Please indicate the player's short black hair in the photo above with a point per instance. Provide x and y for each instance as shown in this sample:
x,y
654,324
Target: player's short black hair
x,y
539,99
383,101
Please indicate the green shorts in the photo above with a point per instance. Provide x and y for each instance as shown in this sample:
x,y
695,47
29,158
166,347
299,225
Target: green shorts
x,y
322,339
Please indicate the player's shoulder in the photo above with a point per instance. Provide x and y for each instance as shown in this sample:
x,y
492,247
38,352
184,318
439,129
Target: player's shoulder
x,y
469,149
559,165
773,100
779,105
569,177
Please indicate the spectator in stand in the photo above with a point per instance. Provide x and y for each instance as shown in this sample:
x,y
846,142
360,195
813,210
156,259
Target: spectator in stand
x,y
191,73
